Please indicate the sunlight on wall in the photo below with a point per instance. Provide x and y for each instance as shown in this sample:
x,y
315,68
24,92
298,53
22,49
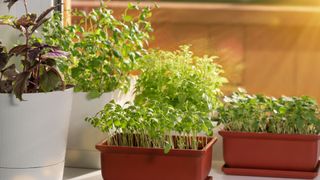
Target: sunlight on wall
x,y
267,49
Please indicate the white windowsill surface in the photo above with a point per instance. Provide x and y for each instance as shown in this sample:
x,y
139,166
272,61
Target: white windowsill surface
x,y
93,174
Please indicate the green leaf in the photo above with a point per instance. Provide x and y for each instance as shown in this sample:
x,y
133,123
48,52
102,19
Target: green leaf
x,y
132,56
7,20
117,53
167,147
49,80
117,123
75,72
127,18
132,6
93,94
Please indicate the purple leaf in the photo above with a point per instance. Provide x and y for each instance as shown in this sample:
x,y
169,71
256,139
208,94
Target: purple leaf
x,y
10,2
3,57
34,53
5,86
41,19
56,54
18,50
36,26
10,72
26,20
46,12
20,84
39,45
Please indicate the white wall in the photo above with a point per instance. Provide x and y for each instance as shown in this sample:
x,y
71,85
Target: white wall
x,y
8,36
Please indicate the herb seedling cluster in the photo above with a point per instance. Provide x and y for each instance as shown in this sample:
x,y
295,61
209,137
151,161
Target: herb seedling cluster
x,y
156,125
181,79
175,95
258,113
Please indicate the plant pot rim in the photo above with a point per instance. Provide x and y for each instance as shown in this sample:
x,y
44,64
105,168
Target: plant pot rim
x,y
263,135
86,92
39,93
103,147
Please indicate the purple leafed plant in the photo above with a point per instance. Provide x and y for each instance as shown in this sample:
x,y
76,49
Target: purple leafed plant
x,y
38,71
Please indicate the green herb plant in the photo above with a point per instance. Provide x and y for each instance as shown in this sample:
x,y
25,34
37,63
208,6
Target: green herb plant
x,y
154,126
176,94
257,113
38,71
104,49
180,79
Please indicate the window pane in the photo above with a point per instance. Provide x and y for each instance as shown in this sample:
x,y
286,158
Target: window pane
x,y
277,2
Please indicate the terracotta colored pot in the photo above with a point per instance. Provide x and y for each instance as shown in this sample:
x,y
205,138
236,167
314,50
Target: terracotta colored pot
x,y
270,151
123,163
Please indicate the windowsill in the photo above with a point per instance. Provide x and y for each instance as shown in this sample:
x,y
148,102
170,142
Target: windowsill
x,y
93,174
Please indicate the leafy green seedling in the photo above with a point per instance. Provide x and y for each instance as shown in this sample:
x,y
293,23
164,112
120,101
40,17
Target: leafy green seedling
x,y
153,125
257,113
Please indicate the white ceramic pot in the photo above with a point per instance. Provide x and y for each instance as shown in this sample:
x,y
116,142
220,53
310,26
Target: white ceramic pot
x,y
33,135
83,137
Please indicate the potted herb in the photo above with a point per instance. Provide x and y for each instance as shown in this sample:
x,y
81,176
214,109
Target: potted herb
x,y
265,136
158,136
34,123
140,142
103,51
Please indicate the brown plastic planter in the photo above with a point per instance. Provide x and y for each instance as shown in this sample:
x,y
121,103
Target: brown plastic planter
x,y
270,152
123,163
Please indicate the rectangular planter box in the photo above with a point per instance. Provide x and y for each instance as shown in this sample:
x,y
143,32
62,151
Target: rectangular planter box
x,y
123,163
270,151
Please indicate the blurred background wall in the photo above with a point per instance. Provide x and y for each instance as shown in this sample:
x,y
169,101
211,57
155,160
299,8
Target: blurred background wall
x,y
270,47
7,34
